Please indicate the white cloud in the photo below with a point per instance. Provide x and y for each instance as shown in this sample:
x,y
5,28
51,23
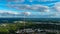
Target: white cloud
x,y
27,13
56,9
13,13
46,0
38,7
31,0
42,0
17,1
57,6
4,12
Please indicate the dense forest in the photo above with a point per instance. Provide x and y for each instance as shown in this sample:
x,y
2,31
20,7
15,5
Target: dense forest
x,y
12,27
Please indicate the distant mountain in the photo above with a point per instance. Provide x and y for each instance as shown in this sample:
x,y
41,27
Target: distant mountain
x,y
31,19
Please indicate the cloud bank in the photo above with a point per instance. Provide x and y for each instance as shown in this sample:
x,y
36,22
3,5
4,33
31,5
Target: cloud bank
x,y
37,7
32,0
57,6
14,13
3,12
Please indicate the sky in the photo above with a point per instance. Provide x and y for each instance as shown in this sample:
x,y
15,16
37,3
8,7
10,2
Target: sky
x,y
30,8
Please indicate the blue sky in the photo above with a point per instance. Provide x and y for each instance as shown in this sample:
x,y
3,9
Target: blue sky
x,y
30,8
